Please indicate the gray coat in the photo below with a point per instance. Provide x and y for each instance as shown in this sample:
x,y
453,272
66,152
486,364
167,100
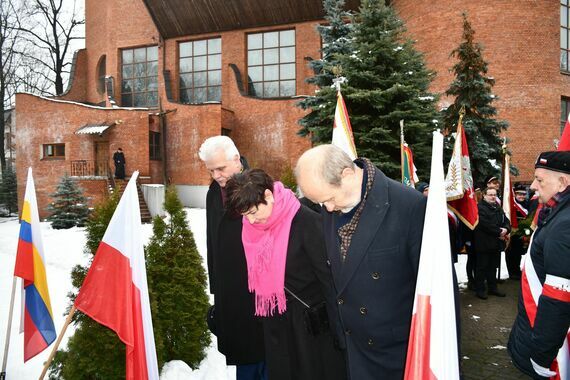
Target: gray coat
x,y
375,286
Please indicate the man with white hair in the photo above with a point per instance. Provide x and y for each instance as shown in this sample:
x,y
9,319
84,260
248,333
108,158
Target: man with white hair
x,y
373,229
239,332
541,326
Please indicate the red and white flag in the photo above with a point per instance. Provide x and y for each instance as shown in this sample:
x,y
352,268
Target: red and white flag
x,y
342,131
459,182
115,291
432,346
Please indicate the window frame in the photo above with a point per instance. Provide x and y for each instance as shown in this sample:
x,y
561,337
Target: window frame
x,y
193,73
279,64
154,146
564,112
134,78
55,147
565,36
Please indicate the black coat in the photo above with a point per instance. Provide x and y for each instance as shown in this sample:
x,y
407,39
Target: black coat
x,y
239,332
291,353
486,234
375,286
119,160
550,255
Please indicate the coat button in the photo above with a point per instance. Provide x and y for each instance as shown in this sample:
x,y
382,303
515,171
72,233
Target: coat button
x,y
375,275
363,310
328,263
370,342
347,331
340,301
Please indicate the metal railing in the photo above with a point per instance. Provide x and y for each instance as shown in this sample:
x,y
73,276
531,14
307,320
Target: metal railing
x,y
89,168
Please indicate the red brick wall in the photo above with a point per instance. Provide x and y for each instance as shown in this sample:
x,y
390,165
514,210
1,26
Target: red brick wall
x,y
521,45
43,121
78,82
95,189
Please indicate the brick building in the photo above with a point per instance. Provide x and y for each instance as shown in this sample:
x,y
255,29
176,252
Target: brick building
x,y
157,78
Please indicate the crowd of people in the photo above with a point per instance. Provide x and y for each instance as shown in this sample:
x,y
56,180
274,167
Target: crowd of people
x,y
323,287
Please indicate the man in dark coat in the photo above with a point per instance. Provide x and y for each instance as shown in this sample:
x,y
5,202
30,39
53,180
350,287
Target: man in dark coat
x,y
239,332
120,162
489,239
541,326
373,228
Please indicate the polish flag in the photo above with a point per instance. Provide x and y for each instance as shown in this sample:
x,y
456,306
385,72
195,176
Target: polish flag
x,y
432,346
342,131
115,291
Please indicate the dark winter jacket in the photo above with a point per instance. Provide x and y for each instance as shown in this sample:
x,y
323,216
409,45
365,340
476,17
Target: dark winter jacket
x,y
291,353
239,332
486,234
376,283
550,255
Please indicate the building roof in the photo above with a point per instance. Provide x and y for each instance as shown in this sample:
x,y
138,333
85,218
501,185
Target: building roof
x,y
93,129
175,18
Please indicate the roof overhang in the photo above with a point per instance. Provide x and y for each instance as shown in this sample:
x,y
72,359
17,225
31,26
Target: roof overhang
x,y
93,129
176,18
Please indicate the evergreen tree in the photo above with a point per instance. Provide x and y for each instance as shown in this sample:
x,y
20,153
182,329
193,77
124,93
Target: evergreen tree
x,y
8,192
318,122
69,206
472,88
94,351
177,288
386,81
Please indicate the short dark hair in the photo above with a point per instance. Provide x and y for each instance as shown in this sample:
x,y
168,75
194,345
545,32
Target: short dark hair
x,y
247,189
486,190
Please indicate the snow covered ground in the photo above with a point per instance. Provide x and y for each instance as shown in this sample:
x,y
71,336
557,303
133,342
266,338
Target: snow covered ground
x,y
63,250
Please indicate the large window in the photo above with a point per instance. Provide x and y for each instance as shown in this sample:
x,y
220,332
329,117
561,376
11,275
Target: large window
x,y
201,71
53,151
271,64
139,86
564,29
154,145
564,111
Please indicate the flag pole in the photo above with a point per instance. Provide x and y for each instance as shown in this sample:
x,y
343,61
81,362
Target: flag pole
x,y
58,341
7,345
402,149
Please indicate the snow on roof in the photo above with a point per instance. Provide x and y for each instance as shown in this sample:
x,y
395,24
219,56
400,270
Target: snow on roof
x,y
93,129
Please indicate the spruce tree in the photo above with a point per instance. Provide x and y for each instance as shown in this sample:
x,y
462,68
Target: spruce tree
x,y
69,206
177,288
94,351
386,81
472,88
334,35
8,192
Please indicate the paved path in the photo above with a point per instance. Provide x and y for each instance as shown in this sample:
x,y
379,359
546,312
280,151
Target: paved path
x,y
486,325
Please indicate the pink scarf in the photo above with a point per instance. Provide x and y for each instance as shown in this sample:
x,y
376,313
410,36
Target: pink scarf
x,y
265,248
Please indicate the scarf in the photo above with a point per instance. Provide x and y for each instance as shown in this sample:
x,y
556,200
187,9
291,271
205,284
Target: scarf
x,y
549,206
265,248
345,232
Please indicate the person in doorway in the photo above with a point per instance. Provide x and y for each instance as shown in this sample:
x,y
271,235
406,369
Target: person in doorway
x,y
120,162
288,273
239,332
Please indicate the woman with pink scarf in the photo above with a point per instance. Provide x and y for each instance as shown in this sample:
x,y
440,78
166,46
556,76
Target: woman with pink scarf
x,y
288,273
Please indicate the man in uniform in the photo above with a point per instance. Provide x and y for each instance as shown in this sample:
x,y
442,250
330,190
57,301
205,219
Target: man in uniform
x,y
541,326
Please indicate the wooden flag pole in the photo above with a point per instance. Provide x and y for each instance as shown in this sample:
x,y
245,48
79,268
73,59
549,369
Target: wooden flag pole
x,y
54,350
7,345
